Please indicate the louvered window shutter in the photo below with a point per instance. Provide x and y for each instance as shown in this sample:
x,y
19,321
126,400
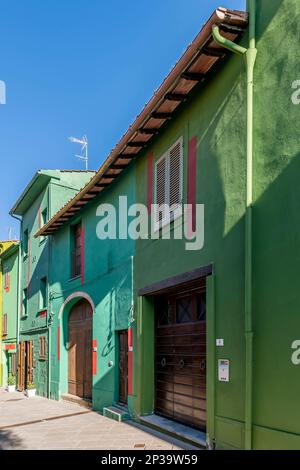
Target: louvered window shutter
x,y
175,175
160,187
168,184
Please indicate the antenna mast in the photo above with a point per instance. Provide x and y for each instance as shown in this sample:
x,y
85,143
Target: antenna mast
x,y
84,147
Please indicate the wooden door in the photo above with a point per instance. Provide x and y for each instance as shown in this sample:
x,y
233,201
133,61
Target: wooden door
x,y
123,366
181,358
80,350
21,365
29,362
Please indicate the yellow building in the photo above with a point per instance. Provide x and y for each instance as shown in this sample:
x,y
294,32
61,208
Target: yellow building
x,y
4,245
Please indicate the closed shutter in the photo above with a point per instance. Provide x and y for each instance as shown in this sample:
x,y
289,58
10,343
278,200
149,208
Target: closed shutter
x,y
175,171
7,281
13,367
4,328
168,184
160,187
42,347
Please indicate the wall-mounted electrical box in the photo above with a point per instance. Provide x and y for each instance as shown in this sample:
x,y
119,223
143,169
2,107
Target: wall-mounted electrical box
x,y
223,370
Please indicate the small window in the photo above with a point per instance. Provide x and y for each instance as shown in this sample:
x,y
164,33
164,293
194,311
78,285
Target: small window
x,y
42,347
44,217
25,242
25,303
4,325
13,363
184,310
43,293
76,243
168,185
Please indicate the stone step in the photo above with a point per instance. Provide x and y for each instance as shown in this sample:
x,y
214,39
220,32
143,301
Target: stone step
x,y
116,412
78,400
176,430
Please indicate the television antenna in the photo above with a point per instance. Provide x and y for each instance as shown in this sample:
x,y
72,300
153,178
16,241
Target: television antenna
x,y
84,147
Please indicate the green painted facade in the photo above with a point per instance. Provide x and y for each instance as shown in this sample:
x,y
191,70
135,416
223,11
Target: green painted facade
x,y
43,197
3,246
115,270
216,114
9,267
106,283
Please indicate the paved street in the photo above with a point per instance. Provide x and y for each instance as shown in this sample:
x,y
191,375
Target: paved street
x,y
38,423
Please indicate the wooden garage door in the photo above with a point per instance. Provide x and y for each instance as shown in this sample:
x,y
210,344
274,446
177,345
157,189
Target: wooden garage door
x,y
181,358
80,350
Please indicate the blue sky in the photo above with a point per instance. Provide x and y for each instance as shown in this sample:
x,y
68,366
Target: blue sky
x,y
81,66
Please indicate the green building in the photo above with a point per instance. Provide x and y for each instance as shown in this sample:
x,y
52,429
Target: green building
x,y
213,339
45,194
9,259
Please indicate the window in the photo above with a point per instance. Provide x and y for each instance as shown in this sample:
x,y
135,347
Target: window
x,y
43,293
7,281
44,217
25,302
13,363
42,347
76,241
25,242
168,185
4,325
184,309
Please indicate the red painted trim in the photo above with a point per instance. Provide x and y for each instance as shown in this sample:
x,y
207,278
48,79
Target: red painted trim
x,y
58,343
82,255
192,175
9,347
149,181
130,361
94,364
39,217
28,270
43,313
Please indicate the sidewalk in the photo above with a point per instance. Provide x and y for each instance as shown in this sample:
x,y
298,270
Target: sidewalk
x,y
40,424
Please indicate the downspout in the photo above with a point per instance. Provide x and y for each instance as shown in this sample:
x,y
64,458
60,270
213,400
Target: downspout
x,y
250,58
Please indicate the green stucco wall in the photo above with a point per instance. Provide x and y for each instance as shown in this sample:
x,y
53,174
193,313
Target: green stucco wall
x,y
10,264
35,264
216,114
276,227
107,284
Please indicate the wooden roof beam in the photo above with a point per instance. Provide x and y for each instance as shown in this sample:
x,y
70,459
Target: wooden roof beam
x,y
118,166
175,97
136,144
149,131
213,52
161,115
193,76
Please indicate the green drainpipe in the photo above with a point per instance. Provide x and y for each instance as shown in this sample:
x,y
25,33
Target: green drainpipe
x,y
250,57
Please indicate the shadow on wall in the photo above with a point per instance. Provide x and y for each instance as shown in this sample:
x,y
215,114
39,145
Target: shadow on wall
x,y
9,441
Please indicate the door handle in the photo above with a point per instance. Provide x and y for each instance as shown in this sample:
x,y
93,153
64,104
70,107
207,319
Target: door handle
x,y
163,362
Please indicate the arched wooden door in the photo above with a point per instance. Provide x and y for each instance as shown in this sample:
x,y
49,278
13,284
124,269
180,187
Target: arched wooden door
x,y
80,350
